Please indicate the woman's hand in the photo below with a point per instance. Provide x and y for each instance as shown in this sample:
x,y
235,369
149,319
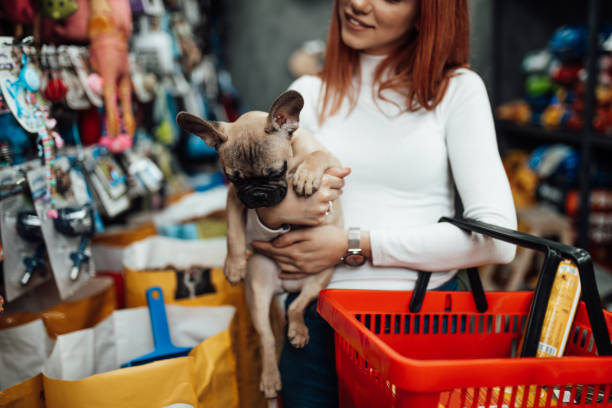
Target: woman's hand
x,y
306,211
306,251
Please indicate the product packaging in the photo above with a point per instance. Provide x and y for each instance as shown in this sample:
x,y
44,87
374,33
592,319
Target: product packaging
x,y
560,311
66,234
25,265
107,180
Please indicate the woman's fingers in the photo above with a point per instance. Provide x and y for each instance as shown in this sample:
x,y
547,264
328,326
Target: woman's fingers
x,y
332,182
288,267
290,276
340,172
266,248
289,238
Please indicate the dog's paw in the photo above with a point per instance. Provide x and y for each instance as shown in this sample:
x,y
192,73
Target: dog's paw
x,y
235,269
297,334
270,383
306,179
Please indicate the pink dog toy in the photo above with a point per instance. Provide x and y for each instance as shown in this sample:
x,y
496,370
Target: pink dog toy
x,y
110,26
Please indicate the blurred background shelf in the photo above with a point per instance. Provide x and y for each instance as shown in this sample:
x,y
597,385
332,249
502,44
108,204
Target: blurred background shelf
x,y
544,135
523,26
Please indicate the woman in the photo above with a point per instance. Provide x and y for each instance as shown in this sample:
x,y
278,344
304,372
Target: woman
x,y
396,103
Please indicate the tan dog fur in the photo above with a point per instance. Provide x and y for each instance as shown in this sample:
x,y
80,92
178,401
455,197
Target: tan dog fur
x,y
275,137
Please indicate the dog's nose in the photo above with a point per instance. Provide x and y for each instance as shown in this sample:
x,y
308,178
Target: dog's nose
x,y
259,195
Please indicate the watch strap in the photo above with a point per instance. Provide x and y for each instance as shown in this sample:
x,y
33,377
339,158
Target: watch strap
x,y
354,238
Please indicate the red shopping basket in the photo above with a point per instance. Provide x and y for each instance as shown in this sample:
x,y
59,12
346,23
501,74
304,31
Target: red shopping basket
x,y
450,355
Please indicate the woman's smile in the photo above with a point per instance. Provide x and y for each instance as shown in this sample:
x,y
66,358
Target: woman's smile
x,y
376,26
356,24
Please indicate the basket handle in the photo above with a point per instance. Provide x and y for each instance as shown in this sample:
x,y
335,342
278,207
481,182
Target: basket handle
x,y
555,252
420,287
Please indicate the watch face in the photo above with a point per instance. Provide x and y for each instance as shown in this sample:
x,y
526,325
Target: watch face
x,y
354,259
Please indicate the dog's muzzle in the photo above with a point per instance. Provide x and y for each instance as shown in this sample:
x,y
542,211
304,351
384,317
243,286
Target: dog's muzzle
x,y
262,195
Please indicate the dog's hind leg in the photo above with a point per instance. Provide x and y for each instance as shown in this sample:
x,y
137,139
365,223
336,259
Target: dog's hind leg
x,y
261,284
297,332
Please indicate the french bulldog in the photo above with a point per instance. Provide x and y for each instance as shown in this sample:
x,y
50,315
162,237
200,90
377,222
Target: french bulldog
x,y
263,155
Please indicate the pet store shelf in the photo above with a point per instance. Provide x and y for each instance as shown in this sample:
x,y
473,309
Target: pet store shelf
x,y
540,133
551,135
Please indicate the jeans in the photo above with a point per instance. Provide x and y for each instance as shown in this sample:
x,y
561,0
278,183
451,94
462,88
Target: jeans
x,y
309,374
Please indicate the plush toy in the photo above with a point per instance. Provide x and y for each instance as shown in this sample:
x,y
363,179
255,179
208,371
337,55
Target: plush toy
x,y
72,28
523,180
110,26
58,9
569,43
517,111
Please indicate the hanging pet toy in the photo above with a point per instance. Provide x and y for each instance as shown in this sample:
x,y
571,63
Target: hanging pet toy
x,y
19,95
55,89
29,229
110,26
58,9
77,222
45,139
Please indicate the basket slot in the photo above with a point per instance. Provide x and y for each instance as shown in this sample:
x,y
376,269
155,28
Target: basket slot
x,y
398,323
434,335
387,328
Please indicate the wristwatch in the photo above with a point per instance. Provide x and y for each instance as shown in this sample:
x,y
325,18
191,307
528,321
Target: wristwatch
x,y
353,256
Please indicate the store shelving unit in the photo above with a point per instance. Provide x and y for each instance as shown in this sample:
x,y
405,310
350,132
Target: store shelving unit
x,y
522,26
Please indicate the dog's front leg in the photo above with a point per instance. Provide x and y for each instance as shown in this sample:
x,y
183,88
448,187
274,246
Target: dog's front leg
x,y
261,284
307,177
236,261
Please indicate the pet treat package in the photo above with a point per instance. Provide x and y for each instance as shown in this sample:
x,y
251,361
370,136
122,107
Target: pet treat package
x,y
145,176
26,264
68,223
499,398
560,311
107,180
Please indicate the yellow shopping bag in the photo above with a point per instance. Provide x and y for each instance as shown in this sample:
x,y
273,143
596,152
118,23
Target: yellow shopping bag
x,y
244,338
205,378
159,384
95,303
27,394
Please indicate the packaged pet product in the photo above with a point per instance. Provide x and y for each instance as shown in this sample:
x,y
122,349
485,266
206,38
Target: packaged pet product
x,y
560,312
25,265
68,232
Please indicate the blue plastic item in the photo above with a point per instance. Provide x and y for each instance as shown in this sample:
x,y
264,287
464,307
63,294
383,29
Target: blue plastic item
x,y
161,334
569,42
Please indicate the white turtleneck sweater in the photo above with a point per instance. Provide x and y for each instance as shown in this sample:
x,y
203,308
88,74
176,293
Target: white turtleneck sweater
x,y
403,166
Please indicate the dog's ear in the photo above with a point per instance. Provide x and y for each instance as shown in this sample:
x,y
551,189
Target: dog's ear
x,y
284,114
208,131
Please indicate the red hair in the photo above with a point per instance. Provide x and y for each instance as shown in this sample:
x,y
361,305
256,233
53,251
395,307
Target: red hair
x,y
420,68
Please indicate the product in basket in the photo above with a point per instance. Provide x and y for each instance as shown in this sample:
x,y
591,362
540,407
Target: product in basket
x,y
465,398
560,311
263,155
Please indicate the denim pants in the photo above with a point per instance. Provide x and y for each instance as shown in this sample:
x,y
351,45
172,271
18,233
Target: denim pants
x,y
309,374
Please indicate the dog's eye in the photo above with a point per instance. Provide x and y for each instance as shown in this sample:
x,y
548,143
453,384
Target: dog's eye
x,y
280,173
234,178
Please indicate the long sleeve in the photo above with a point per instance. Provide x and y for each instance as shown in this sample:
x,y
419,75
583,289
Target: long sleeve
x,y
482,184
